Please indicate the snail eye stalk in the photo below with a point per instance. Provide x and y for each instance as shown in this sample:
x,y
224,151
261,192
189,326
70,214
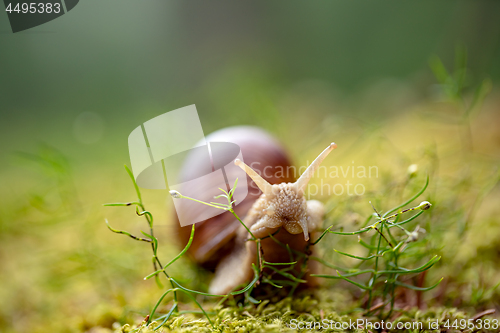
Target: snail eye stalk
x,y
263,185
304,179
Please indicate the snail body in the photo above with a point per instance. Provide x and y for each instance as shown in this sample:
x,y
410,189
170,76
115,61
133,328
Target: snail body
x,y
275,205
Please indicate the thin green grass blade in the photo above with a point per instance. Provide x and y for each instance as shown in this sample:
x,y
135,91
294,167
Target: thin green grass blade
x,y
350,233
121,204
285,282
327,264
279,263
188,294
167,317
231,192
251,299
354,283
389,225
194,291
127,233
322,235
366,245
285,274
357,257
250,285
290,250
439,70
420,269
409,200
176,257
159,302
268,281
327,276
137,191
409,286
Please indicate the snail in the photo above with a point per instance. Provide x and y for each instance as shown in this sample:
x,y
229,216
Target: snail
x,y
275,205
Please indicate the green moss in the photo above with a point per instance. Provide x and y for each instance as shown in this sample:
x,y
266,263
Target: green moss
x,y
322,306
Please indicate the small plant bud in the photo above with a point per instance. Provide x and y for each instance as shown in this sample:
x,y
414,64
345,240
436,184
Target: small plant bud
x,y
424,205
175,194
413,236
412,170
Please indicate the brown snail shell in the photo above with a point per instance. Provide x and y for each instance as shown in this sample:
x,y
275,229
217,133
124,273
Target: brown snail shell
x,y
214,238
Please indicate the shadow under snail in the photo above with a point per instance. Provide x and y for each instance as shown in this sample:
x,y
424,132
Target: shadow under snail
x,y
275,205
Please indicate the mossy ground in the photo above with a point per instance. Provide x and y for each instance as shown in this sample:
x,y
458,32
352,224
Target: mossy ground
x,y
64,271
308,308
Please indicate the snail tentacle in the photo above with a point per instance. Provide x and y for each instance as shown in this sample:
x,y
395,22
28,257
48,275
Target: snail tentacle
x,y
304,179
263,185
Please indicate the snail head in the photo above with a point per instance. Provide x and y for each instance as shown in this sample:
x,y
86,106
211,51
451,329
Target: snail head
x,y
285,204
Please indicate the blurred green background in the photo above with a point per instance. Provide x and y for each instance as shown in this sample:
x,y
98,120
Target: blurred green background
x,y
356,72
131,61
